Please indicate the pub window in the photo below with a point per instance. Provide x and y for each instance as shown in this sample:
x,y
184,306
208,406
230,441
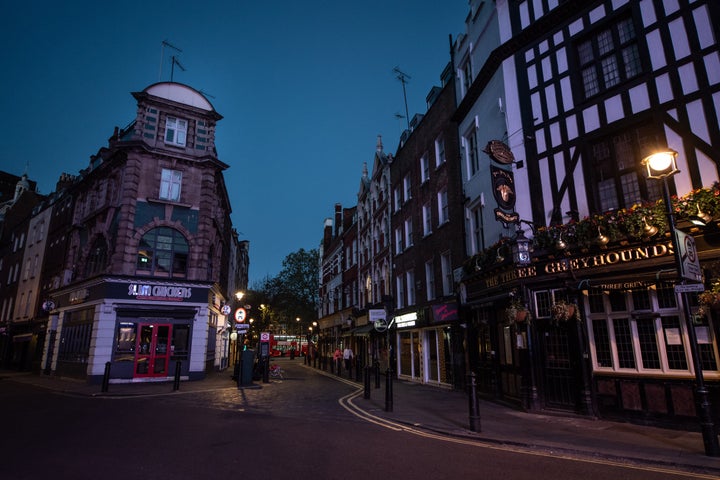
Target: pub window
x,y
642,331
615,163
608,58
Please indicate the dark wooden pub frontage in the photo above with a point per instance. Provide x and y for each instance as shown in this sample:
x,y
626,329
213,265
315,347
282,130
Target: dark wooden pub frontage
x,y
597,329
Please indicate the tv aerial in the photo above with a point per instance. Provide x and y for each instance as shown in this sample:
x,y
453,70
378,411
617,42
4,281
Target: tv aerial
x,y
164,44
403,77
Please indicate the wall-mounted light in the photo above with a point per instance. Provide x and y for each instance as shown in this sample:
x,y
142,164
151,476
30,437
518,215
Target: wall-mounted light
x,y
701,219
521,249
649,230
602,239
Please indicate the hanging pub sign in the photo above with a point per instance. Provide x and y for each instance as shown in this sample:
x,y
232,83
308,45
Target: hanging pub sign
x,y
503,183
499,152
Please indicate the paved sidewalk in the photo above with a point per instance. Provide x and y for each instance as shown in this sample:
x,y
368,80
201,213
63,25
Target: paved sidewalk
x,y
447,412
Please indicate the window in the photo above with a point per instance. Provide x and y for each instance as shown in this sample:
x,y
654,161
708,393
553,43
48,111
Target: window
x,y
408,233
427,219
609,58
467,76
175,131
97,257
400,291
430,280
410,280
447,274
443,215
642,331
163,252
472,156
398,198
424,169
477,243
615,162
398,240
170,185
439,151
407,188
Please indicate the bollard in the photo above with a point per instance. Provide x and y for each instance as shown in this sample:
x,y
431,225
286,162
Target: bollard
x,y
473,405
377,374
366,394
106,378
176,384
388,391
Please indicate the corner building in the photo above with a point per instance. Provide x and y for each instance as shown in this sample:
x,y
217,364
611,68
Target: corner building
x,y
145,270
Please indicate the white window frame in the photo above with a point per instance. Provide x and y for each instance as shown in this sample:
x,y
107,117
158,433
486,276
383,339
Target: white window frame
x,y
408,233
447,273
170,185
430,280
407,188
397,198
410,282
443,214
424,168
427,219
440,151
400,285
398,240
176,131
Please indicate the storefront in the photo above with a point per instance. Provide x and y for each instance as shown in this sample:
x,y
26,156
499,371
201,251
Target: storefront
x,y
602,332
143,330
429,346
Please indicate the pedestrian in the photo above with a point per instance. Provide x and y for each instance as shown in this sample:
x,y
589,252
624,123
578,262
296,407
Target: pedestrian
x,y
348,357
337,357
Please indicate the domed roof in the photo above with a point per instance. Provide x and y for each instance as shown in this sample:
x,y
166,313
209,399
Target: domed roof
x,y
177,92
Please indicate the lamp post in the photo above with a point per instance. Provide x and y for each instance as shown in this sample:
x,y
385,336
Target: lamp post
x,y
660,166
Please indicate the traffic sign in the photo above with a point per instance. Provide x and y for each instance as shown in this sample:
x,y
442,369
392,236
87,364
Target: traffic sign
x,y
226,310
240,315
689,287
689,261
242,327
380,325
375,314
264,337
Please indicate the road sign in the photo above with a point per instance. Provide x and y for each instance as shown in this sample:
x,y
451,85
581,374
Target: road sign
x,y
689,287
242,327
264,337
240,315
380,325
375,314
689,261
226,310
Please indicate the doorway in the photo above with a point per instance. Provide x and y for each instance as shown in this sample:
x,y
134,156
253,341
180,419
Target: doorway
x,y
152,350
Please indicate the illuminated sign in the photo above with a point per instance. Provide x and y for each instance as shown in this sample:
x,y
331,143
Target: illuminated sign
x,y
159,292
407,320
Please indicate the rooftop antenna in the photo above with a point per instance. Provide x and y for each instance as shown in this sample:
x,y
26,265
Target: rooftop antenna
x,y
164,44
175,61
403,77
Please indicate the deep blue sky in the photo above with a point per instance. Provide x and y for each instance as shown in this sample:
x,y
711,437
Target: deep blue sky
x,y
304,88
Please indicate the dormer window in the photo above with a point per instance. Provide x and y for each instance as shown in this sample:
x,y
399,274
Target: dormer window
x,y
175,131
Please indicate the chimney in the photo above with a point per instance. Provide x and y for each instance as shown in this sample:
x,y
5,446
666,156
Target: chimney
x,y
327,232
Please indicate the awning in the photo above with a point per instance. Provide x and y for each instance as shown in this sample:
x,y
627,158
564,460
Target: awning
x,y
363,330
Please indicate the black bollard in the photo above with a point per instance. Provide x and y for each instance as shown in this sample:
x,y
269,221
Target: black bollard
x,y
176,384
106,378
473,404
366,394
388,391
377,374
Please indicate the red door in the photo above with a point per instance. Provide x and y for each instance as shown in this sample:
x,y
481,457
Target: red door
x,y
152,350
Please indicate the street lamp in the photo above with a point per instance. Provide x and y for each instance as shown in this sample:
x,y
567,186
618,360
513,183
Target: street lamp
x,y
660,166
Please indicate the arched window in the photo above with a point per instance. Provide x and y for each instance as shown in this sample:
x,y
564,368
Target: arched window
x,y
97,258
163,252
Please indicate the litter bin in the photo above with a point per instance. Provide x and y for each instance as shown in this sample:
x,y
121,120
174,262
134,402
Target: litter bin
x,y
248,364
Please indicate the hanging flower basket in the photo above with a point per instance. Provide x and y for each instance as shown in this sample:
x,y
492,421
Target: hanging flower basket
x,y
563,311
516,312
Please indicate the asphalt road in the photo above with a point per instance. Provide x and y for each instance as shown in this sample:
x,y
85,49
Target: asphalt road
x,y
301,427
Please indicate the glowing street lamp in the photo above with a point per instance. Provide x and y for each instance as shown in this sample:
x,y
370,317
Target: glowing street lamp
x,y
660,166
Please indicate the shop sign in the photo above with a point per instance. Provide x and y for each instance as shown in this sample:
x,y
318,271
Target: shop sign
x,y
447,312
604,259
406,321
78,296
159,292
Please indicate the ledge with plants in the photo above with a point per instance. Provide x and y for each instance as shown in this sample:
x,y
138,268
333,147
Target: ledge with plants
x,y
637,224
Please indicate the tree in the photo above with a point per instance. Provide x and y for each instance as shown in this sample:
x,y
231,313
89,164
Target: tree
x,y
293,293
